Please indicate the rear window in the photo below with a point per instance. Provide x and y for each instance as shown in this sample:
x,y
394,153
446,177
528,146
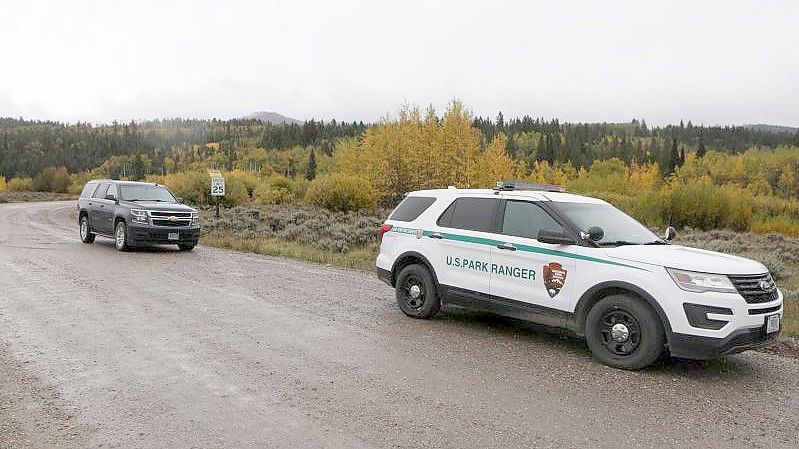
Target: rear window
x,y
88,189
473,214
411,207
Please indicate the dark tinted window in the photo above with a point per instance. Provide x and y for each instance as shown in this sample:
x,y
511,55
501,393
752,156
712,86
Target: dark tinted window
x,y
411,207
525,219
100,193
474,214
88,190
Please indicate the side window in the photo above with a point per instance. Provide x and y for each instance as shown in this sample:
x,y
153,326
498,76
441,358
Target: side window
x,y
474,214
112,190
88,189
411,207
100,192
525,219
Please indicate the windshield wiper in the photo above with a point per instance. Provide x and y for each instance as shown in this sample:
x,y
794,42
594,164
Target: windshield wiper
x,y
625,242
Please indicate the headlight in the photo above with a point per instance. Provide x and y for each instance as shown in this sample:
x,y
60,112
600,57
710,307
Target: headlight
x,y
701,282
138,215
195,218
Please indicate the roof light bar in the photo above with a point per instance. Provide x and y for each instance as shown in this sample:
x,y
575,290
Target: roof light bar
x,y
523,185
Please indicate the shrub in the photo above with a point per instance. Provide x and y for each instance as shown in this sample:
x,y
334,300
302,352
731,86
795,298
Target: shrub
x,y
52,179
20,185
2,183
265,194
193,186
339,192
702,205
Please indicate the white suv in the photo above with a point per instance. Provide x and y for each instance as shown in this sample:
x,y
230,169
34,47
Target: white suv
x,y
537,253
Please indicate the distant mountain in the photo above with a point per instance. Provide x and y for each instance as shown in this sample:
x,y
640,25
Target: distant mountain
x,y
273,118
773,128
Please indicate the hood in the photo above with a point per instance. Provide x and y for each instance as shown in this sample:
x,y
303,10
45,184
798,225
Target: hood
x,y
155,205
686,258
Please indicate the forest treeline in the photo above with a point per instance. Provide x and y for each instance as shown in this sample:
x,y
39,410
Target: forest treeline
x,y
686,175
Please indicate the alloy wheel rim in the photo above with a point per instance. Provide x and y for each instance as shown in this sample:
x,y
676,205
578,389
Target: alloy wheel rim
x,y
620,332
120,236
414,292
84,229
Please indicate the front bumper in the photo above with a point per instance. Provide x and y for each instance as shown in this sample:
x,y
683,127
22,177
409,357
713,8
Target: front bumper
x,y
701,348
140,234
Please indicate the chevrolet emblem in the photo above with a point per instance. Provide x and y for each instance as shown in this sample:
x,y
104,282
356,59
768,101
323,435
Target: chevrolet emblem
x,y
173,218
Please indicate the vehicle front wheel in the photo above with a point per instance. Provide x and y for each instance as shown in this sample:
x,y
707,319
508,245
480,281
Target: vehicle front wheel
x,y
121,236
86,235
416,292
624,332
187,246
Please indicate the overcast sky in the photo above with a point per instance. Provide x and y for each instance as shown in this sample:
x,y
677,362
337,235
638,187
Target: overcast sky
x,y
713,62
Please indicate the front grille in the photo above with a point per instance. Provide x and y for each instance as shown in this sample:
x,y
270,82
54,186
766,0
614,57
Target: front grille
x,y
756,289
174,219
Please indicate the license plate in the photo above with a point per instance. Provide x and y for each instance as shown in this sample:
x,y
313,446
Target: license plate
x,y
772,323
173,236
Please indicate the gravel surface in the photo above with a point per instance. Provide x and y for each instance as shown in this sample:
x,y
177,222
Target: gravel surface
x,y
158,348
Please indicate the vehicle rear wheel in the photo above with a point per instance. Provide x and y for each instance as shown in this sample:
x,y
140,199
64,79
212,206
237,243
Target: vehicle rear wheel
x,y
187,246
416,292
624,332
86,235
121,236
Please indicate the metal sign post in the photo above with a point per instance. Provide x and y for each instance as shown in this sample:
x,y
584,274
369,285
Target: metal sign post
x,y
217,187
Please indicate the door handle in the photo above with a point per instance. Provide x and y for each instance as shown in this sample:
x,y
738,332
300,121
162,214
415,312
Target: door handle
x,y
507,246
436,235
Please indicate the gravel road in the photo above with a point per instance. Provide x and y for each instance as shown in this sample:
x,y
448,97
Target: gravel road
x,y
162,349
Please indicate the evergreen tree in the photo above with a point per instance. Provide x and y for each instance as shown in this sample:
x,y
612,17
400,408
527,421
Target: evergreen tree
x,y
310,171
674,157
700,149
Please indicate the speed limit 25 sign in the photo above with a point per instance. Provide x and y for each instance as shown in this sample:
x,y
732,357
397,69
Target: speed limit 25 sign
x,y
217,186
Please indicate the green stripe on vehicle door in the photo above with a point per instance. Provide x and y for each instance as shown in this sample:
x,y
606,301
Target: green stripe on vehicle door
x,y
527,248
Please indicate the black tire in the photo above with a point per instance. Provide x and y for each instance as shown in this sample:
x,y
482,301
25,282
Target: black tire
x,y
187,246
416,292
86,235
631,317
121,241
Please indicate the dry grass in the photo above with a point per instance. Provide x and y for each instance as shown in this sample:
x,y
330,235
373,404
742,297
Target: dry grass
x,y
27,197
359,258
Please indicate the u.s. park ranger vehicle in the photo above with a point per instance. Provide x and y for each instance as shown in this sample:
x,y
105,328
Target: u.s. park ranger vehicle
x,y
136,213
537,253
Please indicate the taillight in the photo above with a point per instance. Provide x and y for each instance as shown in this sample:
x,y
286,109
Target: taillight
x,y
383,229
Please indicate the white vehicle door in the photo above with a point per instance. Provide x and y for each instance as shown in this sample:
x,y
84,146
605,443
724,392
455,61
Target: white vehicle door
x,y
524,269
463,252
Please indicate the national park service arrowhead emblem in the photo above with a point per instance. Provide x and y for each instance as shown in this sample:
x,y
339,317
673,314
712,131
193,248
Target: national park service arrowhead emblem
x,y
554,278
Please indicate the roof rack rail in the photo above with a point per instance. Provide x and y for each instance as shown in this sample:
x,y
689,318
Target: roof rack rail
x,y
523,185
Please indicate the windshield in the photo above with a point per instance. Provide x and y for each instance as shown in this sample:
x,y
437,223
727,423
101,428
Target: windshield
x,y
619,228
145,192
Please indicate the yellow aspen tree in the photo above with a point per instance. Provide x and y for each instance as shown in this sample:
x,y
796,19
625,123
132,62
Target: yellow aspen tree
x,y
495,163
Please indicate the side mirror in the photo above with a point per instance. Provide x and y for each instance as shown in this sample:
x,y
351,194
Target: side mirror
x,y
670,233
555,237
594,233
179,199
111,197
